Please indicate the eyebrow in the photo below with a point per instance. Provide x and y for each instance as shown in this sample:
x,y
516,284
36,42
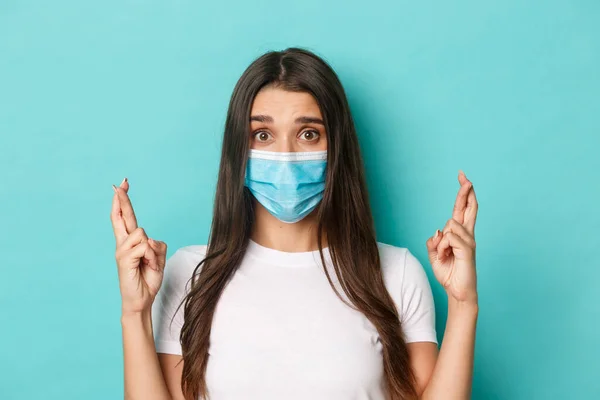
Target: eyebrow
x,y
299,120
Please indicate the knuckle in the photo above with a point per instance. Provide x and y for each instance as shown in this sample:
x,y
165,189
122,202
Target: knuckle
x,y
449,225
140,232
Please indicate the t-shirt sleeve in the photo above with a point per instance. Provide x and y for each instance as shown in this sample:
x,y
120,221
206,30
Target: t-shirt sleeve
x,y
418,308
167,316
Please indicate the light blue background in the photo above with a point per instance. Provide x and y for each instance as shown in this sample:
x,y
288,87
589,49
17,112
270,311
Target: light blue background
x,y
508,91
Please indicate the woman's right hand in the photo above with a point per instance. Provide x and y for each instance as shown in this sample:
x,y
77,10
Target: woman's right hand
x,y
140,260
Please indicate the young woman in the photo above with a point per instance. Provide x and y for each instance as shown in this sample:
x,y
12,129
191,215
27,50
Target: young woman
x,y
293,297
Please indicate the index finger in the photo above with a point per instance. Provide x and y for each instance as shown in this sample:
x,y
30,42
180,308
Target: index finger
x,y
117,221
458,213
471,212
127,210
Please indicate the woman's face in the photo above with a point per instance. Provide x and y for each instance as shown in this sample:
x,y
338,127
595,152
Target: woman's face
x,y
286,121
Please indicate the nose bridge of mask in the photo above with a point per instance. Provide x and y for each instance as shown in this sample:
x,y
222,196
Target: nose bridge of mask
x,y
289,170
301,156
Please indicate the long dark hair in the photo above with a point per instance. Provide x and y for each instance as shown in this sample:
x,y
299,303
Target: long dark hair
x,y
344,217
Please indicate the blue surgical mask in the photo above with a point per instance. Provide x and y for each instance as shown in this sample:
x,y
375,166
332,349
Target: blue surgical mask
x,y
288,185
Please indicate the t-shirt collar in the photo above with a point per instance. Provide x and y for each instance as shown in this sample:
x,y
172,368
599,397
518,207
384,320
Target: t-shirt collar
x,y
283,258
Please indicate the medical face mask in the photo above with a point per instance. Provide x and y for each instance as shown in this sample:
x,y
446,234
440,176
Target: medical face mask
x,y
288,185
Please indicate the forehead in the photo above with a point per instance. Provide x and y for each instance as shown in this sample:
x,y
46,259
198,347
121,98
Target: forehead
x,y
276,102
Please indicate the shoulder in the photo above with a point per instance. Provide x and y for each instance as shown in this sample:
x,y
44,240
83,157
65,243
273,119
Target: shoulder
x,y
407,283
180,266
391,255
397,259
193,250
167,313
400,267
187,255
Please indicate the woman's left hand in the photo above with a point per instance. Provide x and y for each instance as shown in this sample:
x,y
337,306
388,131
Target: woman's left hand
x,y
452,252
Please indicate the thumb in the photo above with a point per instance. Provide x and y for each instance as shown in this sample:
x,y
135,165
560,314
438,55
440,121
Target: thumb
x,y
432,244
160,248
154,244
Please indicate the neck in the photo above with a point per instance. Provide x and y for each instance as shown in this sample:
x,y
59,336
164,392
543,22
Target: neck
x,y
270,232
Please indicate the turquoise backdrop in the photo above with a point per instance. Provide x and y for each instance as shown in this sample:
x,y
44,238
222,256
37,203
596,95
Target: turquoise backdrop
x,y
508,91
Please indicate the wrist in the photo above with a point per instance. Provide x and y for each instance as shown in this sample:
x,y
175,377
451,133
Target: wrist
x,y
141,316
467,307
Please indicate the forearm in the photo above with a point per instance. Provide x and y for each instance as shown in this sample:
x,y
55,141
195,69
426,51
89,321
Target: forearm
x,y
143,376
453,373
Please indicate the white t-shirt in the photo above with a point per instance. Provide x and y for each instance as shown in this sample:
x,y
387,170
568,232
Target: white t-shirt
x,y
280,332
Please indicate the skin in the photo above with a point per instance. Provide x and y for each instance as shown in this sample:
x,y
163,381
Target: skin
x,y
285,122
140,264
452,256
291,122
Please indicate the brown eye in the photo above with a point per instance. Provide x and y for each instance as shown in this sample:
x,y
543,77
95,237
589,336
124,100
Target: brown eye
x,y
262,136
310,136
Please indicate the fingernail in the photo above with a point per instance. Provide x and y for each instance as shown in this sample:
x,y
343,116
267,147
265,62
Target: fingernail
x,y
123,181
114,188
437,232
